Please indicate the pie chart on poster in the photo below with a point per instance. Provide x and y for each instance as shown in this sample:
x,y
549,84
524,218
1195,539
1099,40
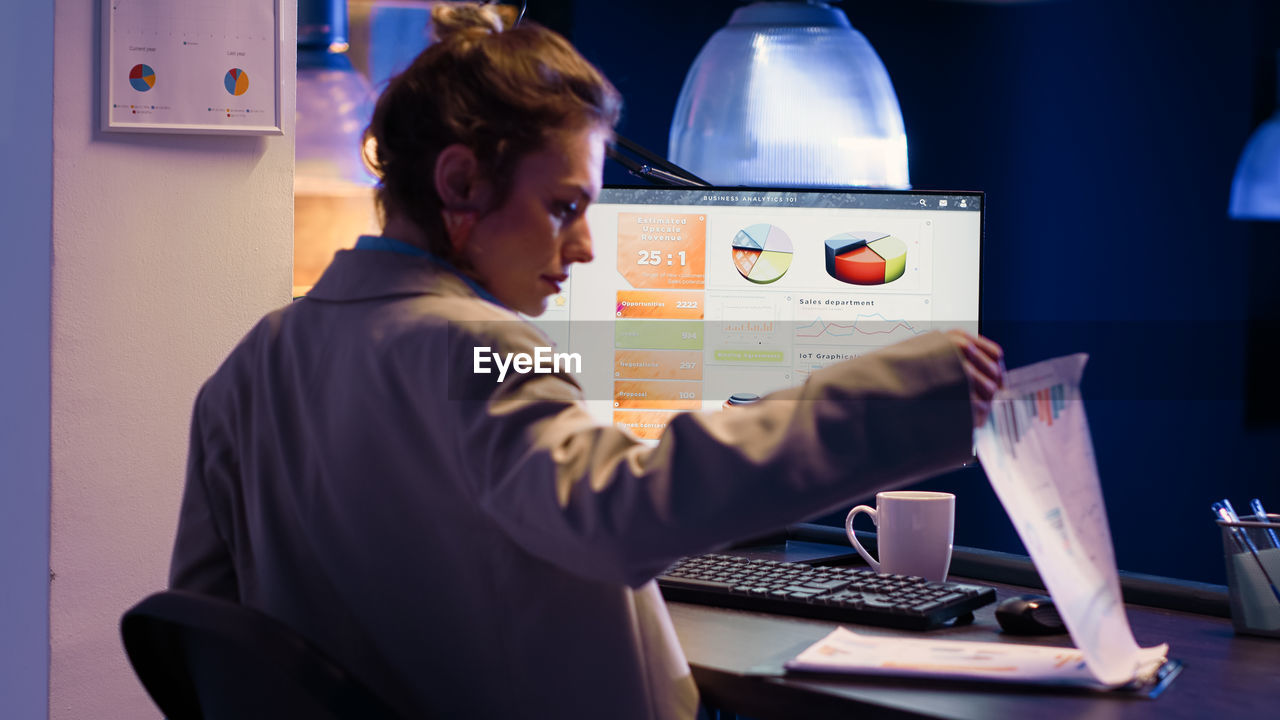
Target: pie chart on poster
x,y
866,258
236,81
142,78
762,253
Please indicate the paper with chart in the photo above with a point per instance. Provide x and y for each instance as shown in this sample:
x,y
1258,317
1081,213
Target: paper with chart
x,y
191,66
1037,453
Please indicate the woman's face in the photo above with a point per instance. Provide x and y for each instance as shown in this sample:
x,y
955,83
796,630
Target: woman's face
x,y
521,251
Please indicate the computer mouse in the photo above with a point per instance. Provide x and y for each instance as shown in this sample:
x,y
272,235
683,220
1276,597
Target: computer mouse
x,y
1029,615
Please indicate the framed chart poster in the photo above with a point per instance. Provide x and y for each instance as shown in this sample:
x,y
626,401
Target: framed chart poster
x,y
191,66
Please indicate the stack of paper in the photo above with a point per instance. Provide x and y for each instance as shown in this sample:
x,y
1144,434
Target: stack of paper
x,y
845,651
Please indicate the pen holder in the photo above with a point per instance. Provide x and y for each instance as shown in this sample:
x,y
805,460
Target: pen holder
x,y
1252,550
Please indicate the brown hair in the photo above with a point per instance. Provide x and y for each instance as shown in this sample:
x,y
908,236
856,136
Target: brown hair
x,y
500,92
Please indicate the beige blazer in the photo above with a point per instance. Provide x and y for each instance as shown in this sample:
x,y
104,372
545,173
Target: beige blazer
x,y
480,549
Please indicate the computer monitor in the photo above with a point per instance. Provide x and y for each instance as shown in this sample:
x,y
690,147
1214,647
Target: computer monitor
x,y
704,297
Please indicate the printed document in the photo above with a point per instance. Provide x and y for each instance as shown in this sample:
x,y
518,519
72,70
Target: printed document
x,y
845,651
1037,453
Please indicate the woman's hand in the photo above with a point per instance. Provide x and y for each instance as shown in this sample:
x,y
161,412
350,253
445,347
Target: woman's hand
x,y
983,362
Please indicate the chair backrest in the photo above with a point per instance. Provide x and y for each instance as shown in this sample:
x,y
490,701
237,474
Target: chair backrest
x,y
201,658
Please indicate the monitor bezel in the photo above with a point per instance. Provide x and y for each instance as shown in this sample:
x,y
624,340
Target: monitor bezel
x,y
981,195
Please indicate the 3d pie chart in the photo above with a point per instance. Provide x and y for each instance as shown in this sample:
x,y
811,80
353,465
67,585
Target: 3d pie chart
x,y
142,78
866,258
762,253
236,81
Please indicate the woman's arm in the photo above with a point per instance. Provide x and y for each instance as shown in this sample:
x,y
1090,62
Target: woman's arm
x,y
598,502
201,560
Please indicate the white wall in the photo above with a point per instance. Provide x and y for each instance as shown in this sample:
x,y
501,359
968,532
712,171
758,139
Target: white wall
x,y
166,249
26,110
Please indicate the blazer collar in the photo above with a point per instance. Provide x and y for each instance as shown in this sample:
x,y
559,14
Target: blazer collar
x,y
366,274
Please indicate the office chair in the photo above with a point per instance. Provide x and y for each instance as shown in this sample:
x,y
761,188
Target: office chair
x,y
202,658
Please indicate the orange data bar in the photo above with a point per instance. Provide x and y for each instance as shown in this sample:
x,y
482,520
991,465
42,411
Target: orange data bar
x,y
645,424
658,364
656,395
674,305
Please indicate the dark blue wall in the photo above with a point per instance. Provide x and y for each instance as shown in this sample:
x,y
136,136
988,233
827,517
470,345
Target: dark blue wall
x,y
1105,134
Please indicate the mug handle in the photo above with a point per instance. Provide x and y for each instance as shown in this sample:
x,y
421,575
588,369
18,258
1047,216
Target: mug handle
x,y
853,538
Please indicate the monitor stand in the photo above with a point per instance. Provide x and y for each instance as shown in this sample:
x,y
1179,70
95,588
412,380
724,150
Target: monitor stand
x,y
806,543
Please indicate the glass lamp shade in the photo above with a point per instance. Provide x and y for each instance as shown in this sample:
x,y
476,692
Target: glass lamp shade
x,y
1255,191
332,191
335,104
789,94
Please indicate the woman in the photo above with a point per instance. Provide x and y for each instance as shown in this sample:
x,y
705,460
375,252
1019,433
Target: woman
x,y
480,549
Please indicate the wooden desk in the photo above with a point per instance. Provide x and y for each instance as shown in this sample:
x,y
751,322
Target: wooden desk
x,y
737,659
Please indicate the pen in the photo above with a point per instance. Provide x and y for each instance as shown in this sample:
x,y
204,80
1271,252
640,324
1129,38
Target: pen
x,y
1261,516
1223,511
1242,535
1245,540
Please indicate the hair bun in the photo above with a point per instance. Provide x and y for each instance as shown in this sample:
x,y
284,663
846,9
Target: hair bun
x,y
470,19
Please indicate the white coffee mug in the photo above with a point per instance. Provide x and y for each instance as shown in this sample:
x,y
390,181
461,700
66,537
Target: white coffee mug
x,y
914,530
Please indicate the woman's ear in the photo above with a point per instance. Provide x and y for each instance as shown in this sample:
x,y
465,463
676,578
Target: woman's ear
x,y
458,181
463,193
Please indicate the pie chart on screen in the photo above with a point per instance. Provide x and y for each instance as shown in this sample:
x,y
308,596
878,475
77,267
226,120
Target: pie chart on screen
x,y
236,81
866,258
762,253
142,78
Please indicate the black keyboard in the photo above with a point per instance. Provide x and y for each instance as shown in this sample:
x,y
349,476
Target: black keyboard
x,y
855,595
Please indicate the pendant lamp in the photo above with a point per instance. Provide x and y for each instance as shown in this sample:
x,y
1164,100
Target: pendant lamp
x,y
1255,190
332,190
789,94
335,102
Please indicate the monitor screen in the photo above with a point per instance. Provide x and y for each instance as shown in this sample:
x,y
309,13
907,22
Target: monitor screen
x,y
702,297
